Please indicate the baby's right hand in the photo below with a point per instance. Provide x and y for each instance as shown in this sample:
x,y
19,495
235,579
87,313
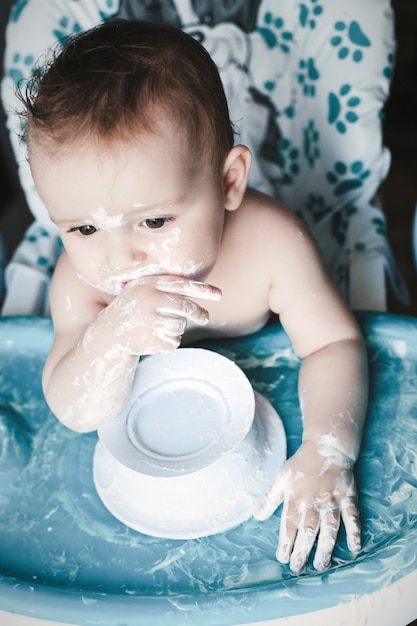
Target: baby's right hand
x,y
151,314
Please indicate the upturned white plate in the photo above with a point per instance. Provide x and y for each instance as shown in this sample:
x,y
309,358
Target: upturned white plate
x,y
187,408
209,501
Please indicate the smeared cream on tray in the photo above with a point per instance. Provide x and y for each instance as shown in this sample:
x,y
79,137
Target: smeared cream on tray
x,y
63,555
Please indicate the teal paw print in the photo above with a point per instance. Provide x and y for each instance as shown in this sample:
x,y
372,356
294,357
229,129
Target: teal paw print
x,y
17,8
289,161
340,223
66,29
342,108
345,179
45,263
311,138
289,111
355,37
340,220
111,5
379,226
340,274
307,76
21,64
308,14
387,71
274,33
316,207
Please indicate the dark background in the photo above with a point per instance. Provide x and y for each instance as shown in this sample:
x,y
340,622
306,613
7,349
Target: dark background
x,y
399,192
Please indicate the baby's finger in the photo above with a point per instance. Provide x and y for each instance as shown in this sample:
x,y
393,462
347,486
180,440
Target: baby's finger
x,y
287,532
329,527
185,309
188,287
170,330
351,520
306,536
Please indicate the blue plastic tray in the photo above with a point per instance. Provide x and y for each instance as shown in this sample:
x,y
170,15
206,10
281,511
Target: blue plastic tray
x,y
63,557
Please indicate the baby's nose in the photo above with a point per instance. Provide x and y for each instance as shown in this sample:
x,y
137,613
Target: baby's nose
x,y
124,254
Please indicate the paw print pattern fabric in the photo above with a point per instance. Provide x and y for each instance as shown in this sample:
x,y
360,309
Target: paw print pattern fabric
x,y
306,83
27,276
328,94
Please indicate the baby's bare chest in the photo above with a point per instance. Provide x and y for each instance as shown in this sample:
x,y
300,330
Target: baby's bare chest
x,y
243,308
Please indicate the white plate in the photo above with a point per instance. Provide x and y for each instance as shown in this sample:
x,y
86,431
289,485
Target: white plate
x,y
186,409
211,500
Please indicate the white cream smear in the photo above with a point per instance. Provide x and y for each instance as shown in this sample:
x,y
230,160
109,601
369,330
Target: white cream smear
x,y
332,448
105,221
172,241
169,324
104,385
114,284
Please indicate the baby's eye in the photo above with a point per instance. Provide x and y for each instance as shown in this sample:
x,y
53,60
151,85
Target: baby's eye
x,y
85,230
154,223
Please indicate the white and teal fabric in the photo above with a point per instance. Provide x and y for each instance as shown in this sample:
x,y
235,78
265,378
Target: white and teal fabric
x,y
306,83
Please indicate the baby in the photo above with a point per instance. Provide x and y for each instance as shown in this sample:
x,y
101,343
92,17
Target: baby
x,y
132,152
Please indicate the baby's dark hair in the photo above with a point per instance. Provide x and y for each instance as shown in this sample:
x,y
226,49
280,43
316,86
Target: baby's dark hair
x,y
112,81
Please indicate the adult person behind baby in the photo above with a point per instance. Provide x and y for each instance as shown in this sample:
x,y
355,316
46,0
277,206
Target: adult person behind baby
x,y
132,152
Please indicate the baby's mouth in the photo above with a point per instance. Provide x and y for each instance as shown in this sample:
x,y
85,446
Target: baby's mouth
x,y
115,284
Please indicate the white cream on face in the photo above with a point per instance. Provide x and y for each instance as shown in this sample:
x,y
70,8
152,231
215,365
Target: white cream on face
x,y
112,279
172,241
107,222
116,192
115,282
187,269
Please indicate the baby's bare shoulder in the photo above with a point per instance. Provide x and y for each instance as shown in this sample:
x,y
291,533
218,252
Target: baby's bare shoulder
x,y
287,249
270,220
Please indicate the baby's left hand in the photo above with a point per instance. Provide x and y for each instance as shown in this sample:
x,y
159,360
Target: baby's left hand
x,y
318,490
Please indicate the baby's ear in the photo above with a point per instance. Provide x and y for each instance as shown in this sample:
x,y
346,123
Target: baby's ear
x,y
235,176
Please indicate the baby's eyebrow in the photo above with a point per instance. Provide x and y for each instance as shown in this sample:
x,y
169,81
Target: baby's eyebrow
x,y
160,206
73,223
67,223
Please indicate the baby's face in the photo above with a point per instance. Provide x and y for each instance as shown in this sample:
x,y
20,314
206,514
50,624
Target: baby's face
x,y
132,209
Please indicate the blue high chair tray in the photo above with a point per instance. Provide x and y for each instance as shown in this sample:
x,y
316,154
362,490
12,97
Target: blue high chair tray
x,y
64,557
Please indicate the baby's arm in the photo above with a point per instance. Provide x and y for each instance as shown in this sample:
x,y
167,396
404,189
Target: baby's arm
x,y
317,484
89,370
